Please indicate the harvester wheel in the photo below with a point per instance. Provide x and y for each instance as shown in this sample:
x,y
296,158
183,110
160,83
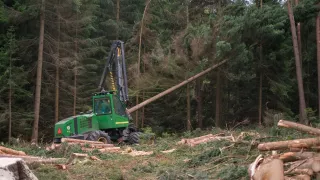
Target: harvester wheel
x,y
134,137
99,136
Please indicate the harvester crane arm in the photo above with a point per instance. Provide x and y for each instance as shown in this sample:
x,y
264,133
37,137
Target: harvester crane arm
x,y
115,68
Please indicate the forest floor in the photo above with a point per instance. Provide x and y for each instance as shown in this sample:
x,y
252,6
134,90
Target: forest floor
x,y
223,160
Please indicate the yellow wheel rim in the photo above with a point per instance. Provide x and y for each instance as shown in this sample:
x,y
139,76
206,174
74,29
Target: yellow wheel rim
x,y
104,140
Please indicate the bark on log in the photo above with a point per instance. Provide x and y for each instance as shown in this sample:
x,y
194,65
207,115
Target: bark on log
x,y
34,159
92,145
79,141
294,156
299,127
11,151
288,144
108,149
308,172
298,177
311,163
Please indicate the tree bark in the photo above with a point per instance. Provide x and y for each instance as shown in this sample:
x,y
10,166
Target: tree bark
x,y
150,100
302,103
300,127
218,122
318,58
57,79
199,102
188,109
34,137
290,143
260,86
10,100
75,70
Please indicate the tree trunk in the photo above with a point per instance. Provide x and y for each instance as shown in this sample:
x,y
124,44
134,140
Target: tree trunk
x,y
10,100
260,85
57,80
150,100
139,57
218,121
300,127
309,142
302,103
199,102
318,58
188,109
143,93
118,18
34,137
75,70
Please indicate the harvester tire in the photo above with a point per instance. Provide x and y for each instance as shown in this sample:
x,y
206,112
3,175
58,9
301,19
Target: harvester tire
x,y
99,136
134,138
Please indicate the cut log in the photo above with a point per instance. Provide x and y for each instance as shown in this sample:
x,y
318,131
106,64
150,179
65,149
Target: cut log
x,y
93,145
290,143
270,170
108,149
300,127
298,177
11,151
79,141
210,139
308,172
34,159
294,156
311,163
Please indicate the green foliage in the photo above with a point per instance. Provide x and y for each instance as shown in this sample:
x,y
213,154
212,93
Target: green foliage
x,y
238,172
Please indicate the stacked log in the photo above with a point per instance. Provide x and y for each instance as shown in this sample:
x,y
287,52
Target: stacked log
x,y
300,159
86,145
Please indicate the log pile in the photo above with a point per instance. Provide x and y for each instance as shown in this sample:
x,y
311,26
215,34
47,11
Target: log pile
x,y
11,153
300,158
86,145
204,139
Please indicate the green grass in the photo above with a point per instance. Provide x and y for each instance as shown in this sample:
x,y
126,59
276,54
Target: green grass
x,y
215,160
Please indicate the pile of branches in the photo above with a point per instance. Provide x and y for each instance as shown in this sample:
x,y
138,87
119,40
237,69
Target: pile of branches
x,y
300,158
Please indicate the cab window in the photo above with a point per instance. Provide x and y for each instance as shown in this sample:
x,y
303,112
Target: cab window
x,y
102,106
118,107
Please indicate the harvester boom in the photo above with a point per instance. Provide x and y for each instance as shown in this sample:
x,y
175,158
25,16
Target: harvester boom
x,y
146,102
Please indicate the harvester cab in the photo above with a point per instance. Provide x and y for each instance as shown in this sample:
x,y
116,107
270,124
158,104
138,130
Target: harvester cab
x,y
109,120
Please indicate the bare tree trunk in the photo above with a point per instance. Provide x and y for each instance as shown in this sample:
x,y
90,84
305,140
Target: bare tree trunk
x,y
75,70
34,137
139,57
57,79
260,86
299,36
302,103
260,79
188,109
143,93
199,102
218,121
118,18
10,100
318,58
